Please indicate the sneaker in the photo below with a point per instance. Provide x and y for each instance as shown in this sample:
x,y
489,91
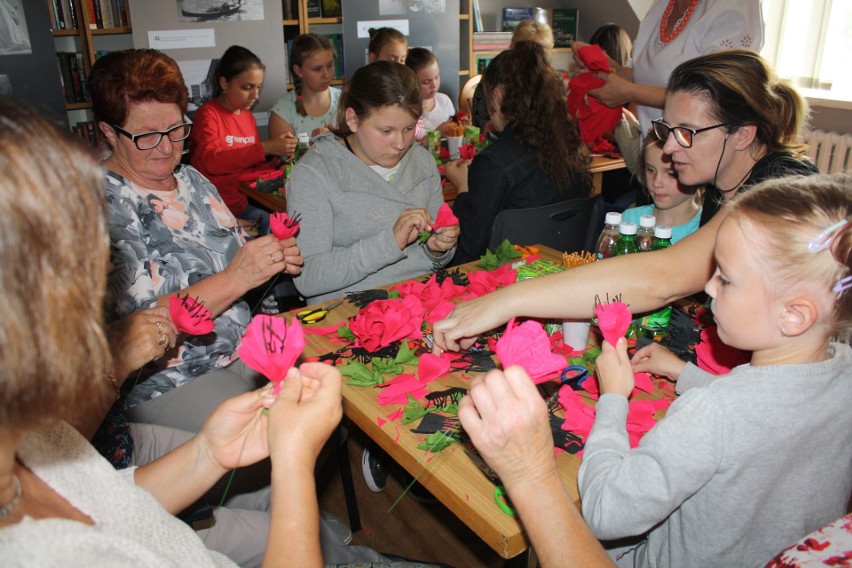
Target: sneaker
x,y
374,467
337,525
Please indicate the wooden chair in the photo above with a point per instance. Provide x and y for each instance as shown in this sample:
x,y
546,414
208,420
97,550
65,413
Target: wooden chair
x,y
568,226
466,93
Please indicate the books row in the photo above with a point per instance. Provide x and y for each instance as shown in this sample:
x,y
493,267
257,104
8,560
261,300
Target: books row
x,y
86,131
72,75
100,14
316,9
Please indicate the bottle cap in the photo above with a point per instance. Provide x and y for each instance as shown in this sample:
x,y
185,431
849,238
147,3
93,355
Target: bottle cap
x,y
303,137
663,232
627,228
647,221
613,218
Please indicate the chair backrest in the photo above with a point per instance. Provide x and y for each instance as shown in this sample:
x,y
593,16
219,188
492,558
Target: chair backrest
x,y
466,93
567,226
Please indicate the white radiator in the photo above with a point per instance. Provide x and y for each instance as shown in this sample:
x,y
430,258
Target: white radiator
x,y
830,151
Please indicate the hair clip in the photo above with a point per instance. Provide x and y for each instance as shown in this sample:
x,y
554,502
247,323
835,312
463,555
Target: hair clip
x,y
823,240
843,284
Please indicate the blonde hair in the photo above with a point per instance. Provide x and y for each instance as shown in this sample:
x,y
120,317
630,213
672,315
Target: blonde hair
x,y
535,31
790,213
54,245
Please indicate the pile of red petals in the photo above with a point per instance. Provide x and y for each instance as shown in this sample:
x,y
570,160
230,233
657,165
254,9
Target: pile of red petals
x,y
190,315
383,322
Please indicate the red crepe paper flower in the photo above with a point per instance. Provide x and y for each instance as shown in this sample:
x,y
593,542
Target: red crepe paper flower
x,y
271,346
467,151
484,281
431,366
190,316
384,321
594,117
283,226
445,217
528,345
444,153
613,320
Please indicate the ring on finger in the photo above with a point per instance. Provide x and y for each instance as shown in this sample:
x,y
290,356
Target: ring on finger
x,y
163,340
159,327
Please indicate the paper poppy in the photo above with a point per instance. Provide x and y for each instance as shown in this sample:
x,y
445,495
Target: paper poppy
x,y
190,315
271,346
283,226
528,345
467,151
613,320
445,217
382,322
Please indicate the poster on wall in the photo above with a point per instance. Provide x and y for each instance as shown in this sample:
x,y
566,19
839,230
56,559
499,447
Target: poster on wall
x,y
219,10
199,76
14,35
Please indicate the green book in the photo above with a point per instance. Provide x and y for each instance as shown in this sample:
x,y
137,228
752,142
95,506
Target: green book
x,y
566,23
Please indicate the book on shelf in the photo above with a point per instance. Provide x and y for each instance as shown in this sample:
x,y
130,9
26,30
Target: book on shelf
x,y
476,15
565,23
512,16
482,63
291,9
487,41
331,9
63,14
107,14
315,8
337,45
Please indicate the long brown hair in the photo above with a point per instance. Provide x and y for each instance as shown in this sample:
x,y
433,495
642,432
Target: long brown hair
x,y
534,105
54,245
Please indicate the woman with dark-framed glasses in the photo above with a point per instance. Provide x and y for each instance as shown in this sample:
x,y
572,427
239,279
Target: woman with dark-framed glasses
x,y
728,123
171,233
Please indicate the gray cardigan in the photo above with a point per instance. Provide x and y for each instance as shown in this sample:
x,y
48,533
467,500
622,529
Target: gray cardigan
x,y
347,216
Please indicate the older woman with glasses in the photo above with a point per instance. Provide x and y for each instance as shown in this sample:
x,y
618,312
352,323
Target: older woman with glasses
x,y
171,234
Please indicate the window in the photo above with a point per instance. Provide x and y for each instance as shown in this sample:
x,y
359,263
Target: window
x,y
816,47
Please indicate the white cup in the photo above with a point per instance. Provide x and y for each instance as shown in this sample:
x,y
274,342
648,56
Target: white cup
x,y
453,145
576,334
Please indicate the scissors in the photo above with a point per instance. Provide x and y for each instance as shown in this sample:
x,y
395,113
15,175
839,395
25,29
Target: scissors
x,y
317,314
574,375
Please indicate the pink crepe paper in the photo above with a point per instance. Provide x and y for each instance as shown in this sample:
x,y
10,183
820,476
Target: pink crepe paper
x,y
396,391
190,316
445,217
431,366
271,346
396,415
467,151
330,330
484,281
714,356
283,226
613,320
528,345
382,322
643,383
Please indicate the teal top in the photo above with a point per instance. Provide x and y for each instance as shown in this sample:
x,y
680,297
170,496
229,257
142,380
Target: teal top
x,y
678,232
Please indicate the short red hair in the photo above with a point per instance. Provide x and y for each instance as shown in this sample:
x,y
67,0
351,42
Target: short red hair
x,y
122,78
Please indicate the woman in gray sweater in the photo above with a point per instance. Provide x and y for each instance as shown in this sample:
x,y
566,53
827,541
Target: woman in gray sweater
x,y
366,192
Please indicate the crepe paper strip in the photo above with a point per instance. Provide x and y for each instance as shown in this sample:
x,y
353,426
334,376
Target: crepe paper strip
x,y
190,315
397,392
643,382
439,310
283,226
330,330
527,345
395,415
467,151
271,346
431,366
714,356
383,322
445,217
380,421
613,320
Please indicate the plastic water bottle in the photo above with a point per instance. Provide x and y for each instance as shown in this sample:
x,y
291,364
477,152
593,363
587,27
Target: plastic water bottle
x,y
645,235
302,146
655,325
662,237
626,243
609,235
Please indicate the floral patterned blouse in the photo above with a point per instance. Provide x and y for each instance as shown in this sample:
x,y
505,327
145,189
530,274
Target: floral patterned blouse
x,y
164,241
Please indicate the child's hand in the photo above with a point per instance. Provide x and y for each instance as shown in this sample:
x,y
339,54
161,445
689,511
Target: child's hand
x,y
657,360
615,375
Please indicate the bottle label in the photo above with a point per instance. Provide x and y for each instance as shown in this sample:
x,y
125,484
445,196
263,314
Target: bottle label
x,y
657,320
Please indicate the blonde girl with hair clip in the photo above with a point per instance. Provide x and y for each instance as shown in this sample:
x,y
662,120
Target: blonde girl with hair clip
x,y
311,106
729,476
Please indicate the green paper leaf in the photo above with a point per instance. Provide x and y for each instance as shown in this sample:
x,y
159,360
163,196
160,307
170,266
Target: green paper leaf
x,y
438,441
345,333
360,376
414,410
393,294
386,366
424,236
406,356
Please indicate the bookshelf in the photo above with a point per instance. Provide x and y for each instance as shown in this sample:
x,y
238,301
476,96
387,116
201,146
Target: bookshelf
x,y
82,29
467,61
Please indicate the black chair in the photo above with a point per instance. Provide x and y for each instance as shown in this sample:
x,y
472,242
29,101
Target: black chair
x,y
568,226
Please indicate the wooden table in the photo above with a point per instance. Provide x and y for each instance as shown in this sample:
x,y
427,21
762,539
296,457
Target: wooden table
x,y
600,164
450,475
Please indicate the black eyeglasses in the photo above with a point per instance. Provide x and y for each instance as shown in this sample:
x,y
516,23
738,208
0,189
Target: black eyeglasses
x,y
148,140
682,134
